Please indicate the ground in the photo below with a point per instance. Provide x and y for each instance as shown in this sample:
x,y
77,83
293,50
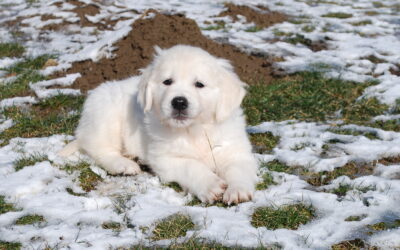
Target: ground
x,y
323,108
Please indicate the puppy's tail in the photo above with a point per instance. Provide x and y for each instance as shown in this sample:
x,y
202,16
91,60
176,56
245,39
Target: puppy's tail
x,y
71,148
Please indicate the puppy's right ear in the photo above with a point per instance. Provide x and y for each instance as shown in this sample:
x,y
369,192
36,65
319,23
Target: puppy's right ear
x,y
145,97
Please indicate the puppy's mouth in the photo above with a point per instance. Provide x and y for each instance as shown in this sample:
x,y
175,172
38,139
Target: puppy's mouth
x,y
180,115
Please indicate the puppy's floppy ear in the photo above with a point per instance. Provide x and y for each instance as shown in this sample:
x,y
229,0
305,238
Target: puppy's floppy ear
x,y
145,97
232,91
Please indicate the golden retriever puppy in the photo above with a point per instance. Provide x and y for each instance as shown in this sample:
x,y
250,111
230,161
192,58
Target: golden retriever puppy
x,y
182,116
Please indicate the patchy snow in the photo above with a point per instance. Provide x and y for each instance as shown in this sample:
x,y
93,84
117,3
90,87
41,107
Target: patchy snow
x,y
17,101
40,88
140,201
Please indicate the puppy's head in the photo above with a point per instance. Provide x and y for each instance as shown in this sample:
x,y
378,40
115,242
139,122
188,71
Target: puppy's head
x,y
185,85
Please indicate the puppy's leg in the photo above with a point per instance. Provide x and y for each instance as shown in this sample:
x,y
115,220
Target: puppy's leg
x,y
191,175
240,175
113,162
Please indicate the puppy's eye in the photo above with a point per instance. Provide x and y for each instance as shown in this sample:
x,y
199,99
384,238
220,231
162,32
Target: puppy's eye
x,y
199,85
167,82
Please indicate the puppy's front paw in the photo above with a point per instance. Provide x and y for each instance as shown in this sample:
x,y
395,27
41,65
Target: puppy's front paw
x,y
213,190
236,194
124,166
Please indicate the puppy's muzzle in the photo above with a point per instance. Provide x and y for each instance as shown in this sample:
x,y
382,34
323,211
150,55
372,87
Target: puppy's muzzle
x,y
180,103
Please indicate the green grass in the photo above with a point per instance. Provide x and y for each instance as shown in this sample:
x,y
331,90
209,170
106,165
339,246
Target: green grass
x,y
371,13
377,4
264,142
114,226
29,160
370,135
311,97
339,15
173,226
380,226
342,189
267,180
356,217
276,166
290,216
308,28
298,38
88,180
20,86
11,50
30,219
218,25
71,192
29,64
26,72
48,117
175,186
362,23
253,29
355,244
10,245
351,170
5,207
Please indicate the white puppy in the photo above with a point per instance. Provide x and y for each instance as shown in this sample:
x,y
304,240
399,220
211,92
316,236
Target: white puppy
x,y
182,116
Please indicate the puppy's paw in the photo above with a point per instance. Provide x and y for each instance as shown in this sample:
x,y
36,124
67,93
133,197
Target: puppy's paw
x,y
236,194
213,190
124,166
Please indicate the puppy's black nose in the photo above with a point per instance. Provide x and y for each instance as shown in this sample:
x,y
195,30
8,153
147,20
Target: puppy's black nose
x,y
179,103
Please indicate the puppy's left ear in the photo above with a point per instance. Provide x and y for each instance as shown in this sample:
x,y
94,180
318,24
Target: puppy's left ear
x,y
232,91
145,97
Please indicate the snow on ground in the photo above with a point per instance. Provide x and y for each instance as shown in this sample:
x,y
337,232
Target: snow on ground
x,y
75,221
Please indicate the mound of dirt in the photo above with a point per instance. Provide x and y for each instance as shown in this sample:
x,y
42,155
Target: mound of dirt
x,y
259,15
135,51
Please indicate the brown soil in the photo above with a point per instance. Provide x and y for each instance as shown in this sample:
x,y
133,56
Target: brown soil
x,y
395,70
259,15
390,160
135,51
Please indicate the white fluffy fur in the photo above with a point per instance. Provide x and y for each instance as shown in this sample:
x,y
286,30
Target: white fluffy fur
x,y
208,153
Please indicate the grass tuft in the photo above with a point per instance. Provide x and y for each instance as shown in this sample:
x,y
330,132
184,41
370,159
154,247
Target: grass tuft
x,y
352,244
197,202
267,180
20,86
351,170
290,216
276,166
5,207
29,64
4,245
370,134
298,38
56,115
380,226
339,15
362,23
175,186
356,217
30,219
114,226
311,97
88,179
263,142
253,29
11,50
173,226
29,160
